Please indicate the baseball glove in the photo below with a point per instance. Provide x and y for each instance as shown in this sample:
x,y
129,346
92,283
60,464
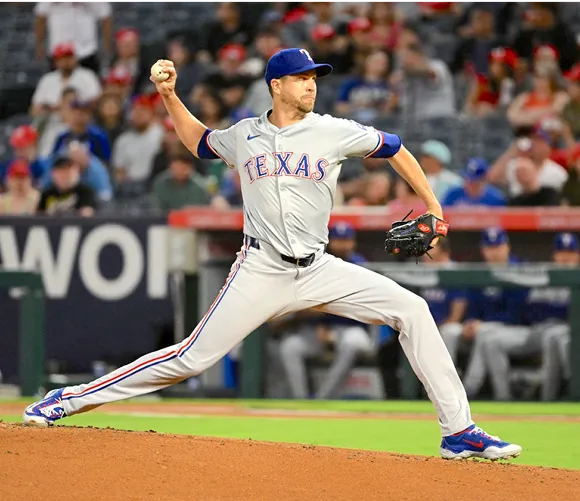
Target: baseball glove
x,y
412,238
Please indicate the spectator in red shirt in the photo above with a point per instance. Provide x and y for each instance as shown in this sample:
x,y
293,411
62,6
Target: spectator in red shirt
x,y
488,92
544,100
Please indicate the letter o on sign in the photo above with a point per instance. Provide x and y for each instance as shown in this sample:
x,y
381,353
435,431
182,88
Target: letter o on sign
x,y
130,276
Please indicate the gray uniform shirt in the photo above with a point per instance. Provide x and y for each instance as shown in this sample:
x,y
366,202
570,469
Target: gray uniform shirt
x,y
289,175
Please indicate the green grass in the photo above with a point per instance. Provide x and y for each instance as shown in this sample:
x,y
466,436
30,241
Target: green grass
x,y
555,444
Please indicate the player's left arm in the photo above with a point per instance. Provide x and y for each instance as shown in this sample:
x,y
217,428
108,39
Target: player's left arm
x,y
409,169
356,140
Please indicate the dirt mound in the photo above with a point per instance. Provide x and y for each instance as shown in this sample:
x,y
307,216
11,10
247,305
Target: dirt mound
x,y
91,464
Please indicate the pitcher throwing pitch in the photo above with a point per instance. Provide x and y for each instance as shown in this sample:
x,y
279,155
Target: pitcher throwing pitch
x,y
288,160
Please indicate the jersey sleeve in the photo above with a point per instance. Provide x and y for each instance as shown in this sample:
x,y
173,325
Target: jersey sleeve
x,y
356,140
219,144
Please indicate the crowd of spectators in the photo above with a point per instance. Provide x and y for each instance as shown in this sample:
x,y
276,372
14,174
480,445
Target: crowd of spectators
x,y
95,115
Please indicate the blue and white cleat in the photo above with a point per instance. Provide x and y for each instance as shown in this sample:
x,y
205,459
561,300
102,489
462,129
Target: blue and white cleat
x,y
475,443
46,411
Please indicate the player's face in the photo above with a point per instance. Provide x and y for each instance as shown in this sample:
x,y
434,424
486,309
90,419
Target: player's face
x,y
497,254
341,247
299,91
566,258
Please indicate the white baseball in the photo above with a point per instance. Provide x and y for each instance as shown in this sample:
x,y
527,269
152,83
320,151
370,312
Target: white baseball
x,y
157,73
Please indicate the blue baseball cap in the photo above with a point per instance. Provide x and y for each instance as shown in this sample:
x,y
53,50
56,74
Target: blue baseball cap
x,y
492,237
566,242
341,230
475,170
292,62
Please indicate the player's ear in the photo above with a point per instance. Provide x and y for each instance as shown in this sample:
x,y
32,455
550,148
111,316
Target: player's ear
x,y
275,86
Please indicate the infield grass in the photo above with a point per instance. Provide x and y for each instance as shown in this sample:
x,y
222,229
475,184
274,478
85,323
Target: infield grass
x,y
545,443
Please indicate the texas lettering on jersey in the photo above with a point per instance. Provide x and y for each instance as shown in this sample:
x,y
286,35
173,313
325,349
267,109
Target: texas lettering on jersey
x,y
281,164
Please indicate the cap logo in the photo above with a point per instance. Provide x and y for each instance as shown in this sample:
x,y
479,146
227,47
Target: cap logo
x,y
305,52
566,239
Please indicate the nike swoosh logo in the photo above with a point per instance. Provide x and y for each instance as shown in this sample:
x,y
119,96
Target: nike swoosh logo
x,y
250,137
479,444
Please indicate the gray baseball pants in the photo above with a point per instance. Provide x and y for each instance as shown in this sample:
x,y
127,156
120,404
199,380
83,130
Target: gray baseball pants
x,y
262,287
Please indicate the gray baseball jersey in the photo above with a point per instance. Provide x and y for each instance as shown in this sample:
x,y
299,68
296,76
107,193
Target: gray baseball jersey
x,y
288,181
289,175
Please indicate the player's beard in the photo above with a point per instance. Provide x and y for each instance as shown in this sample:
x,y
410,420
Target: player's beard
x,y
301,104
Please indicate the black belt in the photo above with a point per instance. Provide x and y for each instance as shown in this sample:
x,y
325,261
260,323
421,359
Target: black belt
x,y
302,262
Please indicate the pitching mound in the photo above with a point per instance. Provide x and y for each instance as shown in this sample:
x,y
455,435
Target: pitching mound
x,y
92,464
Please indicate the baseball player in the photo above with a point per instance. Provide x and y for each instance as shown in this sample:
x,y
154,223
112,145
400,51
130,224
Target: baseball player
x,y
349,338
556,334
546,332
447,306
491,311
289,159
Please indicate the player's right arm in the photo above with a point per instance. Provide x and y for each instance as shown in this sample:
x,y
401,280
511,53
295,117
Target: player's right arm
x,y
189,129
197,138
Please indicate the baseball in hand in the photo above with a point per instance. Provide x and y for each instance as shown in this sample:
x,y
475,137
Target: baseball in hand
x,y
158,74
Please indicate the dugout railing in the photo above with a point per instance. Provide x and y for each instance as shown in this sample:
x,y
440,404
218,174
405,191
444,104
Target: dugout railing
x,y
28,288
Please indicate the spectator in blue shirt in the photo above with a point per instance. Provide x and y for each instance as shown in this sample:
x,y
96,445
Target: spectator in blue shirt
x,y
475,189
346,338
81,129
369,95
